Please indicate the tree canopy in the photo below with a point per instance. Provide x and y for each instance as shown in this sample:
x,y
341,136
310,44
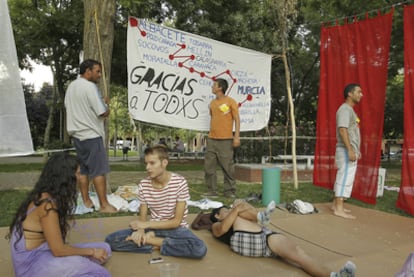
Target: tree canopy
x,y
51,32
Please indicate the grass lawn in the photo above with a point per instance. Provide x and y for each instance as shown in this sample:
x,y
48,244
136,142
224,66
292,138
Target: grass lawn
x,y
11,199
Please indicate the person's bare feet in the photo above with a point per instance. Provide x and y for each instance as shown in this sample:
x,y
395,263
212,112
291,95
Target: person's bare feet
x,y
108,209
344,214
345,210
89,204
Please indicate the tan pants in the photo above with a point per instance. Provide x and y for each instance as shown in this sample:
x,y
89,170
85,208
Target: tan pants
x,y
219,152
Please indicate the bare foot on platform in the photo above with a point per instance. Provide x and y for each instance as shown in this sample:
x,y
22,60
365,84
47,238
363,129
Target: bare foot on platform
x,y
89,204
344,215
108,209
345,210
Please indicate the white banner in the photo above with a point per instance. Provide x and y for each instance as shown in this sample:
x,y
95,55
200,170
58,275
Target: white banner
x,y
170,74
15,138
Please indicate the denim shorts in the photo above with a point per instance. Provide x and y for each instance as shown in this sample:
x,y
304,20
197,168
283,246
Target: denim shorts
x,y
92,156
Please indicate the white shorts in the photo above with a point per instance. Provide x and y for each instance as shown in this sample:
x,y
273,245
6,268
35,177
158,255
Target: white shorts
x,y
345,175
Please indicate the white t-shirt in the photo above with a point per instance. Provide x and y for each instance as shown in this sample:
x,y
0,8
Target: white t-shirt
x,y
84,105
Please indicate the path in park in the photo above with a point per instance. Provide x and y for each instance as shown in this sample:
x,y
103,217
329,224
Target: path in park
x,y
25,180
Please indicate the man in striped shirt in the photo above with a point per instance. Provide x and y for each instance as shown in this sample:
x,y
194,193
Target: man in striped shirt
x,y
164,194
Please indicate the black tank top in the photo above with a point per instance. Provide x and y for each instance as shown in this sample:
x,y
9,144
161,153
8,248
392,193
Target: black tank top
x,y
226,236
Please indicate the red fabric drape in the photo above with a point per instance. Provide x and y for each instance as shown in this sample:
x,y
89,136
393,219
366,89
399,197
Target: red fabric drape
x,y
405,199
356,52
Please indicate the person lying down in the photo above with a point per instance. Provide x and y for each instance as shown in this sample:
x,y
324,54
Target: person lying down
x,y
242,228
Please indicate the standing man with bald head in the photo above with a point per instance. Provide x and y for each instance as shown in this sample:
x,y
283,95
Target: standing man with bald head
x,y
347,149
86,112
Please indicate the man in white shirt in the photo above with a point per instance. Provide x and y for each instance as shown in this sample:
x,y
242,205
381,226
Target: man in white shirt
x,y
86,112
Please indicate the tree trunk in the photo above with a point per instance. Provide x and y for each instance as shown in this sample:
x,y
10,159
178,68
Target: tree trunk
x,y
286,12
59,84
98,40
98,36
138,134
292,117
46,138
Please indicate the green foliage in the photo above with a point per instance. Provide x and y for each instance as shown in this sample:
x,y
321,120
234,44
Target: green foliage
x,y
10,201
51,32
156,10
58,144
124,166
120,122
141,167
37,109
394,108
37,114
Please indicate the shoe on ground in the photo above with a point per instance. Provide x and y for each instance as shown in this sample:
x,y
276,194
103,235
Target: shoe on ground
x,y
348,270
271,207
211,194
263,218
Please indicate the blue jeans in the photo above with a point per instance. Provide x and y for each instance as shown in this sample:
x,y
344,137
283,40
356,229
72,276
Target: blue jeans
x,y
178,242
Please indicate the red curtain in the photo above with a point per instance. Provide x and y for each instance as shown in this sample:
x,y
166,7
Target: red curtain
x,y
356,52
406,196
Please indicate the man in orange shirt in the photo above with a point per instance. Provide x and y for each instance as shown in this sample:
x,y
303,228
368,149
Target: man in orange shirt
x,y
224,112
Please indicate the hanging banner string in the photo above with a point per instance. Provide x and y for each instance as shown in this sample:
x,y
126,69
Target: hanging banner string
x,y
100,53
332,22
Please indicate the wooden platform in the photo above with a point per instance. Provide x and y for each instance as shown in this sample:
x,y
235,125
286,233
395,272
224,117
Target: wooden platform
x,y
378,243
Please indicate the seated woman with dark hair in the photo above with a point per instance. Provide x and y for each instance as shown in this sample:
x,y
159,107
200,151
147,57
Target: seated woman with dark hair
x,y
39,228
